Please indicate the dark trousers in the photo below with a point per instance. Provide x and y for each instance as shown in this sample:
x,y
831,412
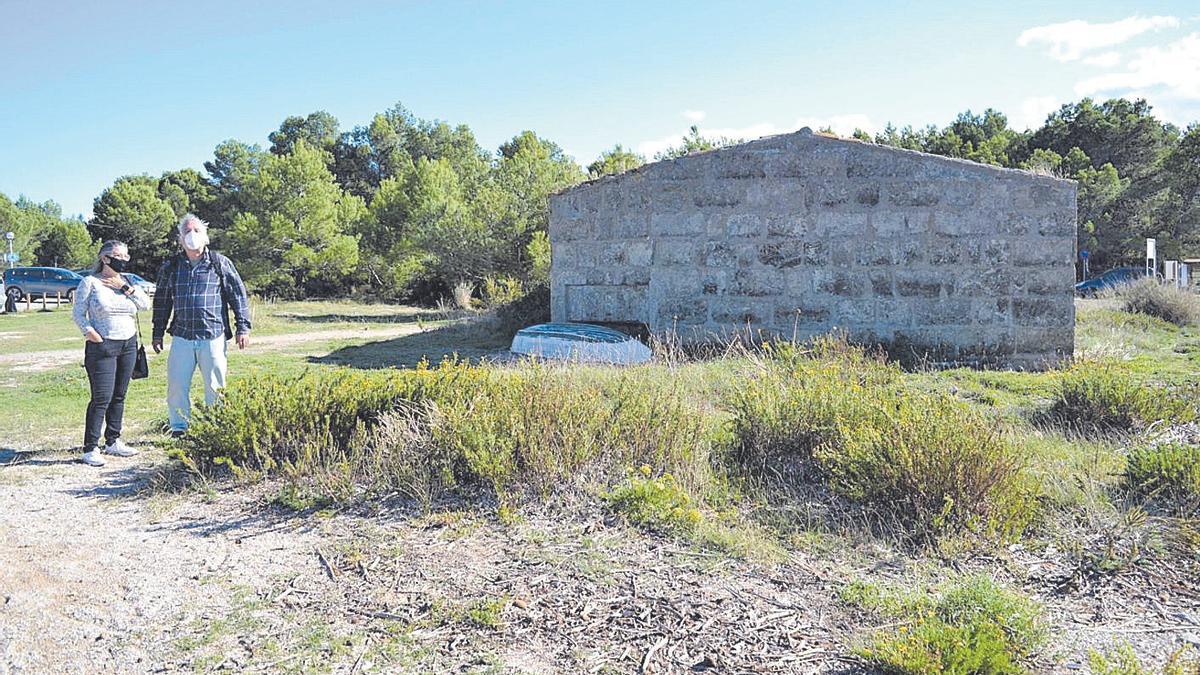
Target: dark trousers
x,y
109,365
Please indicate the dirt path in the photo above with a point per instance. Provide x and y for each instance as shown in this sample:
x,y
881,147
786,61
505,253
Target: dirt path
x,y
43,360
99,575
99,572
94,579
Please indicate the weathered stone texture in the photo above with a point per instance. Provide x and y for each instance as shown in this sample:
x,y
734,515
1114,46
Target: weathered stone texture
x,y
799,234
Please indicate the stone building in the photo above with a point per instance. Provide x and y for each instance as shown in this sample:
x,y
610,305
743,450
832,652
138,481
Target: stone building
x,y
799,234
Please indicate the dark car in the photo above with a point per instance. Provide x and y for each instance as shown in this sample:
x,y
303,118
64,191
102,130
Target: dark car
x,y
20,282
1115,278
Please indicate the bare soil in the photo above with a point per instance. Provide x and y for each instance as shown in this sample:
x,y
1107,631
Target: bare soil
x,y
99,572
102,570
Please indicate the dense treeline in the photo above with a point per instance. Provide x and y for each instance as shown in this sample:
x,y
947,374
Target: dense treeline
x,y
401,208
1138,177
43,236
404,208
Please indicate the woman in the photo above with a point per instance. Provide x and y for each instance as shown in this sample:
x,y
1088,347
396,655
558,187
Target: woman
x,y
106,309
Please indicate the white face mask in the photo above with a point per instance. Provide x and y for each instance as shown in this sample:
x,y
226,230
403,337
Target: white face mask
x,y
194,241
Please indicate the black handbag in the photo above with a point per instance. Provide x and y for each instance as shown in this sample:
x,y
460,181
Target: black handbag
x,y
141,366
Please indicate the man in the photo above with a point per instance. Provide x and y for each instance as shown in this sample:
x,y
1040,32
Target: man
x,y
195,290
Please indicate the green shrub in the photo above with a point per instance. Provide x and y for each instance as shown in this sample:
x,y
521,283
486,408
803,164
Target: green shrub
x,y
425,431
936,465
536,428
264,423
841,413
500,291
1124,661
797,398
973,626
1153,298
656,503
529,309
1101,394
1171,470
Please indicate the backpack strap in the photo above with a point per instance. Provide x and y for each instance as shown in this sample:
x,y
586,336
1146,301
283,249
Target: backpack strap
x,y
219,262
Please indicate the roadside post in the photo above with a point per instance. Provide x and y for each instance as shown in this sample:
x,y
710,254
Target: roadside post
x,y
1084,255
1151,259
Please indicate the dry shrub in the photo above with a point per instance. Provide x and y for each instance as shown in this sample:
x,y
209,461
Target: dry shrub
x,y
1101,394
939,464
796,396
841,414
268,423
974,625
1149,296
1167,470
535,428
462,293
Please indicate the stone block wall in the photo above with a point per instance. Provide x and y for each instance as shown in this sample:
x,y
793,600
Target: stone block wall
x,y
799,234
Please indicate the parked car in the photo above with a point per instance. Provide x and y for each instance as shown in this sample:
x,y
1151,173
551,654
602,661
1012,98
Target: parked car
x,y
1115,278
20,282
148,287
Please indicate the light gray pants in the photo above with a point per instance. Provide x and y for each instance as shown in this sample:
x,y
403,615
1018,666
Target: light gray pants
x,y
182,360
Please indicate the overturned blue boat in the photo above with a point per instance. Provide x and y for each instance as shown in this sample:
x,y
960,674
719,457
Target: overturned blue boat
x,y
579,342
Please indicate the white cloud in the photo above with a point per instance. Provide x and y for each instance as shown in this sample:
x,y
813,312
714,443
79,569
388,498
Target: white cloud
x,y
695,116
1174,68
843,125
1034,111
1069,40
1105,60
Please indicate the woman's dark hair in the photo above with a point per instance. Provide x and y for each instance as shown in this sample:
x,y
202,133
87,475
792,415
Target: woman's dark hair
x,y
106,249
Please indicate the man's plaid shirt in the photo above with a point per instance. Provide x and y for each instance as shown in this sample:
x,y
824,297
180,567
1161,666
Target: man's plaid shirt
x,y
190,298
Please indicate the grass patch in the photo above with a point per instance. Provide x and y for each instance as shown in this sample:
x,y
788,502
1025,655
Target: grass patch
x,y
480,613
971,625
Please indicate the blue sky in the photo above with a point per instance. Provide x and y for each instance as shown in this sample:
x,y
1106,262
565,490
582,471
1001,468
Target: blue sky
x,y
92,91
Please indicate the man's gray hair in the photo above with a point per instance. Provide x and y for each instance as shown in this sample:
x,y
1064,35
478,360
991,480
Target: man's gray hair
x,y
189,218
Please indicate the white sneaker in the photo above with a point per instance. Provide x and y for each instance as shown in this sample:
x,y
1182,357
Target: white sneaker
x,y
119,449
92,458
